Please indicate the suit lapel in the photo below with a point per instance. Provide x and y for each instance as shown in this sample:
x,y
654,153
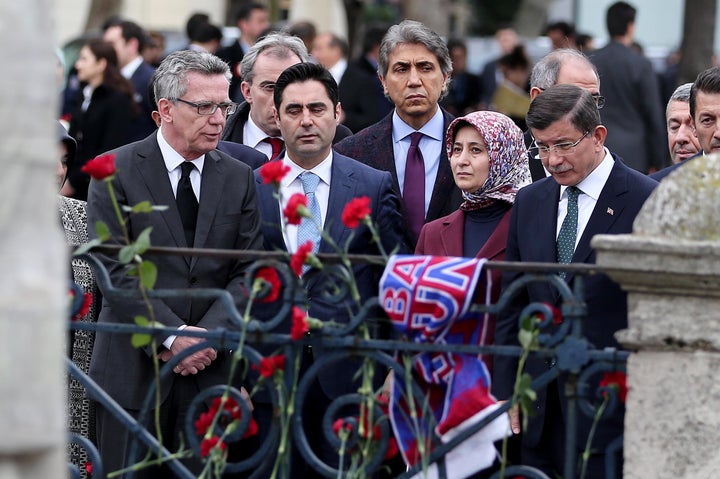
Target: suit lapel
x,y
451,234
382,136
211,188
444,182
270,215
342,189
607,210
544,221
154,173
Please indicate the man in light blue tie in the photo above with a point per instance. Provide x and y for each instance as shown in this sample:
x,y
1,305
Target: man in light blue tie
x,y
307,110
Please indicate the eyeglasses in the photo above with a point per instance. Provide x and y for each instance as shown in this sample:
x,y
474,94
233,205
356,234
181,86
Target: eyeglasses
x,y
208,108
561,149
599,100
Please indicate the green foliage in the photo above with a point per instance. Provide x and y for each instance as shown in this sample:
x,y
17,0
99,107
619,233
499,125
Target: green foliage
x,y
139,340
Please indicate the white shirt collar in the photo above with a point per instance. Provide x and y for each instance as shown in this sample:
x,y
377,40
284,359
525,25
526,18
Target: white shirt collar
x,y
172,158
128,70
338,69
252,134
593,184
323,170
434,128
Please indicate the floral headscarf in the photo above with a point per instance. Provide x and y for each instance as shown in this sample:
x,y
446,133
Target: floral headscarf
x,y
509,169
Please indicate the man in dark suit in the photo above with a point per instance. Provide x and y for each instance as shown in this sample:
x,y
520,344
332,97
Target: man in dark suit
x,y
414,68
307,110
253,124
564,66
632,113
128,38
192,92
252,20
602,196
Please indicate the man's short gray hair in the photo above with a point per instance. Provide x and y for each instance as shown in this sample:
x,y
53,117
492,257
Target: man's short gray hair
x,y
546,71
410,31
169,79
277,45
681,93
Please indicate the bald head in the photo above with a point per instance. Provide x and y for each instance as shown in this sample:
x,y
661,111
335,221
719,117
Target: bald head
x,y
564,66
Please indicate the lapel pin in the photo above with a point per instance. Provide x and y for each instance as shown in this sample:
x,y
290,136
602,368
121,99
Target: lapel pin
x,y
610,211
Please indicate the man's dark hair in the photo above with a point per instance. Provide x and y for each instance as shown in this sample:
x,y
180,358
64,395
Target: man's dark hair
x,y
564,101
707,81
302,72
564,27
132,30
619,16
373,37
246,9
456,43
208,32
337,41
195,20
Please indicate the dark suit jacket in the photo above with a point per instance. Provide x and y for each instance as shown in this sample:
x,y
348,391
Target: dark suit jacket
x,y
537,172
143,124
361,95
236,122
249,156
228,218
233,55
374,147
464,94
444,237
632,112
531,238
350,179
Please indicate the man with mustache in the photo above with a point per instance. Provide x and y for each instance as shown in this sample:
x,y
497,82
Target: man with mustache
x,y
553,221
414,67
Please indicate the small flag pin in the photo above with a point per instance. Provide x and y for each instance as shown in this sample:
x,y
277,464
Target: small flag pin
x,y
610,211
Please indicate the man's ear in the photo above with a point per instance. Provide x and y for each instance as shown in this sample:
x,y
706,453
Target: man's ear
x,y
164,109
245,88
534,91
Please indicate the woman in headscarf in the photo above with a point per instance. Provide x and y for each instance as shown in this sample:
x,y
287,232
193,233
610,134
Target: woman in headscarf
x,y
489,163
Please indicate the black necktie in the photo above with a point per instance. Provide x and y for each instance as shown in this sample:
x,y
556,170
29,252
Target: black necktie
x,y
187,203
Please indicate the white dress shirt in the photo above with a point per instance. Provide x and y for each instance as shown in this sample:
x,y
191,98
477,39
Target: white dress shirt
x,y
253,137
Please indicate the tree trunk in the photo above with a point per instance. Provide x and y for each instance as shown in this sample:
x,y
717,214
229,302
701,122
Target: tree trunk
x,y
696,51
34,283
101,10
531,17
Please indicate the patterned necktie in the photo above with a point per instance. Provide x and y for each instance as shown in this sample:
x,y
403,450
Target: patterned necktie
x,y
568,230
414,185
309,228
276,144
187,203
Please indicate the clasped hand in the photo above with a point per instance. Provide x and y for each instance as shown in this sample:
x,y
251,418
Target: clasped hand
x,y
193,363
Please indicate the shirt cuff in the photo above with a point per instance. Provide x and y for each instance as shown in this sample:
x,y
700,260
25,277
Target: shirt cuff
x,y
169,340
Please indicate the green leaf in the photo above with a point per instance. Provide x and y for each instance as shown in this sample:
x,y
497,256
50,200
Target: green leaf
x,y
142,207
527,323
127,253
138,340
143,240
102,231
159,208
84,248
526,338
148,274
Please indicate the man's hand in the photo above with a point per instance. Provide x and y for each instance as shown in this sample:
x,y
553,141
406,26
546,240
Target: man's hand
x,y
194,363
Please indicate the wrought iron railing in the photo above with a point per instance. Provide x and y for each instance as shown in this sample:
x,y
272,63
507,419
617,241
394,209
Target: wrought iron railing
x,y
565,346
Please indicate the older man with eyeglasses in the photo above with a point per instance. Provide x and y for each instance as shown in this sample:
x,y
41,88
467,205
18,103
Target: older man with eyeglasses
x,y
590,192
211,203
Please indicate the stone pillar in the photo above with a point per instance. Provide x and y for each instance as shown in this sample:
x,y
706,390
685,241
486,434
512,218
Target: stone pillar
x,y
670,267
35,267
327,15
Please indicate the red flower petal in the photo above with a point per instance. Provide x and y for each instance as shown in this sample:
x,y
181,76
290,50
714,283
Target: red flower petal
x,y
100,167
270,276
273,172
355,211
89,468
618,380
291,209
207,445
300,256
299,323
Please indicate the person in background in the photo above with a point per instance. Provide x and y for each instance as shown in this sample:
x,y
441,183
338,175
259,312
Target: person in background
x,y
561,34
305,30
331,51
465,89
154,50
414,68
511,97
104,113
361,91
632,112
211,203
487,157
252,20
680,129
129,40
506,38
207,38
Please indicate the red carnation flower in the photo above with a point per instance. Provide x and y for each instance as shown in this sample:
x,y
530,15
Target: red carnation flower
x,y
299,323
617,380
273,172
355,211
557,315
85,308
340,424
207,445
89,468
300,256
269,365
295,209
100,167
270,276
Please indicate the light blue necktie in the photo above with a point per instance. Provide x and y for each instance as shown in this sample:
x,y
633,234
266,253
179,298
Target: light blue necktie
x,y
568,230
310,228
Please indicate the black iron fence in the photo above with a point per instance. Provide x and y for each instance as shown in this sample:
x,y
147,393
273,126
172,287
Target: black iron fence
x,y
361,440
